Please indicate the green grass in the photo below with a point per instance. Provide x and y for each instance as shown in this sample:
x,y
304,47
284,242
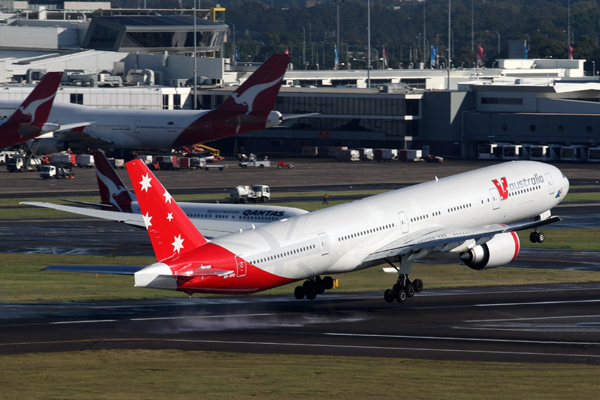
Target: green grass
x,y
173,374
22,281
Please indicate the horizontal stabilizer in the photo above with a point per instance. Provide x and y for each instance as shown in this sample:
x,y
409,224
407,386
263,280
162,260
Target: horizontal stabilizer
x,y
97,269
286,117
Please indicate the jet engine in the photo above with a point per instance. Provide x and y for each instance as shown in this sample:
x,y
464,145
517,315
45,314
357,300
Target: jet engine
x,y
274,119
500,250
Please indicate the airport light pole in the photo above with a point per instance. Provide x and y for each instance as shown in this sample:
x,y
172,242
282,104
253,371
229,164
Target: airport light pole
x,y
303,47
369,44
195,63
498,33
449,40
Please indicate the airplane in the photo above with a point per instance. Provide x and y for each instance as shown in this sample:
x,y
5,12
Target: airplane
x,y
474,214
118,204
248,109
20,122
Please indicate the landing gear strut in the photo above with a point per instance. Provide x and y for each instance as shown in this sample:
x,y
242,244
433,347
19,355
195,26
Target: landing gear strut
x,y
404,287
312,287
537,236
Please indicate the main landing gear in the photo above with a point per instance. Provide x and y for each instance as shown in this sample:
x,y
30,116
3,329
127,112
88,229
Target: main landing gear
x,y
312,287
537,236
403,289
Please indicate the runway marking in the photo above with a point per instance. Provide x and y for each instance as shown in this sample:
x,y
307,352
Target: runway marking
x,y
460,339
94,321
341,346
532,318
502,304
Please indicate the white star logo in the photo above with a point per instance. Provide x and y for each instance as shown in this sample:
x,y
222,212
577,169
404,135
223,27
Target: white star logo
x,y
147,219
145,182
168,197
170,216
177,244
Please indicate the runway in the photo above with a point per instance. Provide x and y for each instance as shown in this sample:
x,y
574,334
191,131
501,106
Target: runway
x,y
546,323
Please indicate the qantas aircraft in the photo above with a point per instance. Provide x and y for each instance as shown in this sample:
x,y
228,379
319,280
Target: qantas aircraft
x,y
20,122
248,109
212,220
474,214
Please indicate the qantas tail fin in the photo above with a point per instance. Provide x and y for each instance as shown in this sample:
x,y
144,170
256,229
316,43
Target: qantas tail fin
x,y
170,230
257,95
30,118
113,191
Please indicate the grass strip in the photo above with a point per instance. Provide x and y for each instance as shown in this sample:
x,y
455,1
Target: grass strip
x,y
22,281
173,374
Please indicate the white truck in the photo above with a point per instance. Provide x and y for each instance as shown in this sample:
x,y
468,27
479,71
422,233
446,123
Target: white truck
x,y
18,164
56,172
255,163
246,194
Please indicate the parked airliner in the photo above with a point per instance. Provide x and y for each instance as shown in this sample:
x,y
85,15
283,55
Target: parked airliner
x,y
22,121
475,215
118,204
248,109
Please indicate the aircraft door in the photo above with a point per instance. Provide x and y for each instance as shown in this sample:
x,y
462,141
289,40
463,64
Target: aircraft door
x,y
550,183
136,126
495,195
240,266
403,221
324,241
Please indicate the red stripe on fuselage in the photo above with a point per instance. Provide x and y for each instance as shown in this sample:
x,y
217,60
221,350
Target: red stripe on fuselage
x,y
254,280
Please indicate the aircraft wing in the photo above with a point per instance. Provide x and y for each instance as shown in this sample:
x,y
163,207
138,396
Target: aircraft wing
x,y
295,116
97,269
449,238
126,218
68,127
71,135
209,228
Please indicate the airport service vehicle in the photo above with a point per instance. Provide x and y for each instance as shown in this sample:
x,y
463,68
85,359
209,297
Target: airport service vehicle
x,y
385,154
248,109
56,171
255,164
29,119
22,164
85,160
348,155
283,164
63,158
246,194
118,204
474,215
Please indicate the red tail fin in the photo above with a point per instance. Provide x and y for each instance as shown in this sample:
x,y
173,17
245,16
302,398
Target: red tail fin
x,y
246,110
28,120
112,188
170,230
259,93
37,106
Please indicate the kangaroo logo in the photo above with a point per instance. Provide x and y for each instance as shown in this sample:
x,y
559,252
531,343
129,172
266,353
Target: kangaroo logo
x,y
113,190
502,188
247,98
31,108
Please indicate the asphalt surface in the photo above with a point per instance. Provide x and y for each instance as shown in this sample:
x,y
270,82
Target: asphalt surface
x,y
545,323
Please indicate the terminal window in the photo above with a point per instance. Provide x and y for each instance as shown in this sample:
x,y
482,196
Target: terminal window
x,y
77,98
502,101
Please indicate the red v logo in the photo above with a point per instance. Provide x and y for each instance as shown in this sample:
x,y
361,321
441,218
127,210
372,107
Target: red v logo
x,y
502,189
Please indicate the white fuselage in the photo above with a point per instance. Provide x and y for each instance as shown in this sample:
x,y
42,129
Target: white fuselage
x,y
123,128
339,239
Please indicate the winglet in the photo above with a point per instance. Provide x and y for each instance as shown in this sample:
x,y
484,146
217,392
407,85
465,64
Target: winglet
x,y
113,191
170,230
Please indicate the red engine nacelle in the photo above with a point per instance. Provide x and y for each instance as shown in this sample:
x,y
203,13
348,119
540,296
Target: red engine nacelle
x,y
502,249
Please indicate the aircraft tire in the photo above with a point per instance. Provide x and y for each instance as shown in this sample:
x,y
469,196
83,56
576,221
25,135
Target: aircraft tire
x,y
534,237
311,293
418,285
401,296
299,292
410,290
328,282
396,288
541,237
389,296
